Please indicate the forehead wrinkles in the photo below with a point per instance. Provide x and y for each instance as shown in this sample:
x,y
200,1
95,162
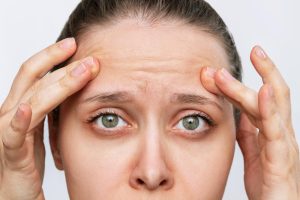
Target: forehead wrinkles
x,y
146,83
142,84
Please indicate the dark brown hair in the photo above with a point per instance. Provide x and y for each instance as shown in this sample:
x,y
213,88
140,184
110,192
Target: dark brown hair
x,y
193,12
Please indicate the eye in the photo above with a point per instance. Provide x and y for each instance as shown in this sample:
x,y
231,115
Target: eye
x,y
195,123
108,121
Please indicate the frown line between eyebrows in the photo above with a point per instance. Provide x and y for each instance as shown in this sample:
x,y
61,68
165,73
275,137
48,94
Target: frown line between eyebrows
x,y
126,97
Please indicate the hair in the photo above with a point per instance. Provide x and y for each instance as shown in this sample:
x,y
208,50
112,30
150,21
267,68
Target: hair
x,y
199,13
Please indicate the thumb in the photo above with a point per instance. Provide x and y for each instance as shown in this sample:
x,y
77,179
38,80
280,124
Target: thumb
x,y
14,137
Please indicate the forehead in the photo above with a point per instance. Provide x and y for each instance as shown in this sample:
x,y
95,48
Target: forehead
x,y
146,57
133,40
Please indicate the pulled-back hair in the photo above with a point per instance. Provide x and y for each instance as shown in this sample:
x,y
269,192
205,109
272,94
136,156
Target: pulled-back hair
x,y
199,13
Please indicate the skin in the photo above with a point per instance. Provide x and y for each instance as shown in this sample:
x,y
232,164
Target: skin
x,y
149,157
149,147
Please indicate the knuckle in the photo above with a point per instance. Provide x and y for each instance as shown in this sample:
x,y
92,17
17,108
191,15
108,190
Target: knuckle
x,y
35,87
270,69
26,68
34,100
51,51
5,109
65,84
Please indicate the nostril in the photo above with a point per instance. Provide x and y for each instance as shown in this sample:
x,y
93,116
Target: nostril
x,y
140,181
164,182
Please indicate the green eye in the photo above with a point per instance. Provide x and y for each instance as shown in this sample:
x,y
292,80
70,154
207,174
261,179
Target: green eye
x,y
109,121
191,122
194,123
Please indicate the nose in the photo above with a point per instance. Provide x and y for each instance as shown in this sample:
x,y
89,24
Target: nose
x,y
151,171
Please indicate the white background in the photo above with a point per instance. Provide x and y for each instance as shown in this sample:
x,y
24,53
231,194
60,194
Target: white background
x,y
28,26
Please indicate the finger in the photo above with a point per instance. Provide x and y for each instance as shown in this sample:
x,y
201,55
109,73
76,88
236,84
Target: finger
x,y
207,76
208,80
46,99
237,93
36,67
271,122
54,76
271,75
14,137
248,140
277,146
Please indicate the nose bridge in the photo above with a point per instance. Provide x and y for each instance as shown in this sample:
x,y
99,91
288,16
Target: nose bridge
x,y
152,138
151,170
152,152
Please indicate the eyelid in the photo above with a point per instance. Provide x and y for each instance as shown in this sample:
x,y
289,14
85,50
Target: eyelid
x,y
104,111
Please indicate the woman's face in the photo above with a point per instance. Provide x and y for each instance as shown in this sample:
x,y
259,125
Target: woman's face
x,y
145,127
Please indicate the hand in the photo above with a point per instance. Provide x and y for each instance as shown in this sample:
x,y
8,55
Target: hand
x,y
265,133
33,95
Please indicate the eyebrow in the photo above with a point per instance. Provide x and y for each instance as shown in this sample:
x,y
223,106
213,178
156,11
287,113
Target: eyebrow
x,y
110,97
126,97
183,98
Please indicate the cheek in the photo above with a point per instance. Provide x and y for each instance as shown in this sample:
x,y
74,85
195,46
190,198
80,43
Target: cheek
x,y
94,168
203,167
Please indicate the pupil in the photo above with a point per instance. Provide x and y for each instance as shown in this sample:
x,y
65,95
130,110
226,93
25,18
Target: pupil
x,y
191,122
110,121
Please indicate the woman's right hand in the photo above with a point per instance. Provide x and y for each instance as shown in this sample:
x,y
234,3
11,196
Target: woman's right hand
x,y
33,95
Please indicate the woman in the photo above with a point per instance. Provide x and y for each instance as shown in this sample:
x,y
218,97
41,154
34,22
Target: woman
x,y
144,104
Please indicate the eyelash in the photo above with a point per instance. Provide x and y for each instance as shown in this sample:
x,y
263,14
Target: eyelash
x,y
95,117
202,115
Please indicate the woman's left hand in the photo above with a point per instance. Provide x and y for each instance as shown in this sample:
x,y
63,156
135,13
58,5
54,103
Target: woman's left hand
x,y
265,133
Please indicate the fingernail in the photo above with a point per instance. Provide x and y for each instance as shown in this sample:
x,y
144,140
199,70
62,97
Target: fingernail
x,y
79,70
92,64
210,72
89,62
67,43
226,75
260,52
